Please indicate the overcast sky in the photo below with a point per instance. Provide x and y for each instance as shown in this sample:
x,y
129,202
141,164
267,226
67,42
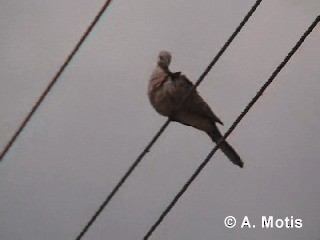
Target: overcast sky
x,y
97,119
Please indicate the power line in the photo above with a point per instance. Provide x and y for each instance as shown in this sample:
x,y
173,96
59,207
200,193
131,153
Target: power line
x,y
165,125
54,80
233,126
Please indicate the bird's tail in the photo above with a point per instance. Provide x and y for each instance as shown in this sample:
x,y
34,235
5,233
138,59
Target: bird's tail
x,y
227,149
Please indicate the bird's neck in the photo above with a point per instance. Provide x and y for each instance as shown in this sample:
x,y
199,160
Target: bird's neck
x,y
164,69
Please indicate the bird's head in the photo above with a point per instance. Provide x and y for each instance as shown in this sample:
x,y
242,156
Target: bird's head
x,y
164,59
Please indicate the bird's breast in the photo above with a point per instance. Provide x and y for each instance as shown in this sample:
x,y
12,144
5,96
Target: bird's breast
x,y
161,98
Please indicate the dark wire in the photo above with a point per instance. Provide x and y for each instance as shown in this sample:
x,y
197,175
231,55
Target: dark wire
x,y
233,126
53,81
165,125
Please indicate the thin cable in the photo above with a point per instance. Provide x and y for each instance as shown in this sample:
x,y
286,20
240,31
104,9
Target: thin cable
x,y
54,80
122,180
233,126
165,125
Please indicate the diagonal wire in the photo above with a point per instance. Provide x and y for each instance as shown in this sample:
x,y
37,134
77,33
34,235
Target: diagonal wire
x,y
165,125
54,80
233,126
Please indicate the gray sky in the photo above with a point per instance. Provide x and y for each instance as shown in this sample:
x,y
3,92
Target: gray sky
x,y
97,119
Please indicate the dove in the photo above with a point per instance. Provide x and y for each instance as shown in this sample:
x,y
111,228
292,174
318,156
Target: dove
x,y
166,91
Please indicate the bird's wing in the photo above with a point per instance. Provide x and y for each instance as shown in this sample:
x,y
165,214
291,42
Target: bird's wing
x,y
194,104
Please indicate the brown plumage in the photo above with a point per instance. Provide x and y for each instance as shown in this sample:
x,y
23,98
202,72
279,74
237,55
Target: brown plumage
x,y
166,90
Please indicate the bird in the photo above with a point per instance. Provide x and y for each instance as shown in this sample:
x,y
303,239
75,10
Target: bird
x,y
167,90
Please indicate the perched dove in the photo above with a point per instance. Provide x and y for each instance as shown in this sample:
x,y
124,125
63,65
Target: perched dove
x,y
167,90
